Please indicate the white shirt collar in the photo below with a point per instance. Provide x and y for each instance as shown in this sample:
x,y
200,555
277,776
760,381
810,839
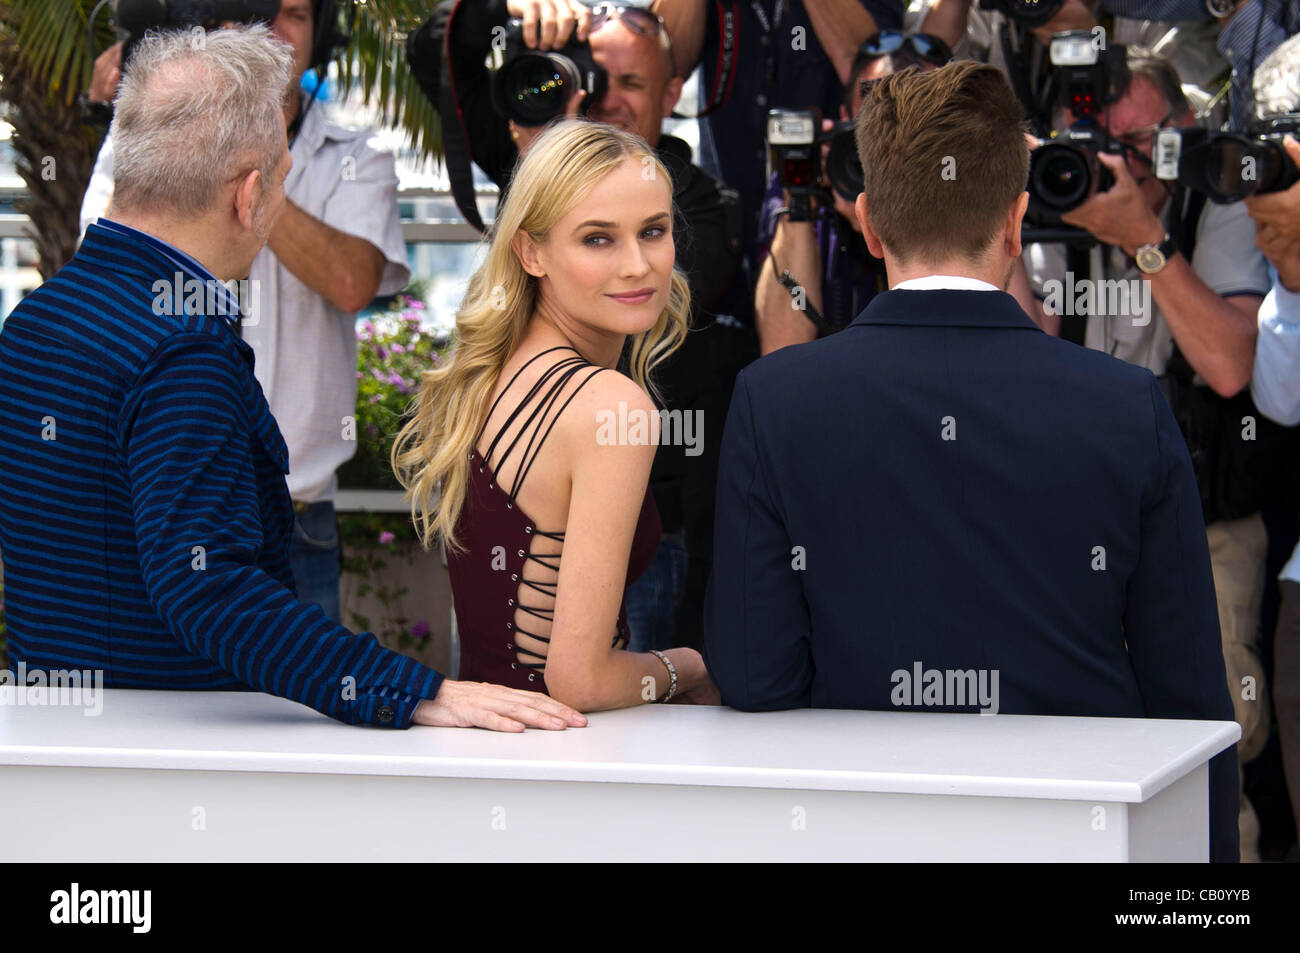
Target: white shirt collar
x,y
954,282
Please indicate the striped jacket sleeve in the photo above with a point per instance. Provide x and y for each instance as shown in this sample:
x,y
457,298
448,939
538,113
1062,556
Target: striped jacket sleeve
x,y
186,444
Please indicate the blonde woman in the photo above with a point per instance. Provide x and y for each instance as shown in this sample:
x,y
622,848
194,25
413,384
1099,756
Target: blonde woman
x,y
538,443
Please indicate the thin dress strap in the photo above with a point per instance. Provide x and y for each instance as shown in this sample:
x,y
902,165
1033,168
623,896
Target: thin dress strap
x,y
562,371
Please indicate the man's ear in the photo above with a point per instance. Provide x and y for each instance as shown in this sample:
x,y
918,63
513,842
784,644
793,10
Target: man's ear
x,y
874,244
672,93
248,191
1015,218
525,250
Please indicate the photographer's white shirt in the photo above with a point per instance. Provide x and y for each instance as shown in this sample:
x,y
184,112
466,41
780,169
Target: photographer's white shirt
x,y
305,348
1225,259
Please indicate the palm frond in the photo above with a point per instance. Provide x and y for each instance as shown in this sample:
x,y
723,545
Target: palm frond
x,y
50,43
375,66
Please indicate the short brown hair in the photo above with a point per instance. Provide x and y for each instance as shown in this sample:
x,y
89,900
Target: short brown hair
x,y
944,157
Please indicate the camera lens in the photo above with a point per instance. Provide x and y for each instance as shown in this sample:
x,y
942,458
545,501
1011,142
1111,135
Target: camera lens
x,y
1060,176
1273,166
537,86
1231,171
843,167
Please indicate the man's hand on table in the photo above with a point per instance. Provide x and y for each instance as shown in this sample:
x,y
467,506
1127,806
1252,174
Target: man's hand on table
x,y
496,707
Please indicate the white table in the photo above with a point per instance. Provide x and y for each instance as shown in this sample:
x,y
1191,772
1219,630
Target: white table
x,y
245,776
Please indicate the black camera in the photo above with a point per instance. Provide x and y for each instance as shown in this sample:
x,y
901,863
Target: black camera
x,y
1030,13
1064,172
533,86
795,139
134,17
1229,166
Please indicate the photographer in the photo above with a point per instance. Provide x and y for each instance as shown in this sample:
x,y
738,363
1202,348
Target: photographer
x,y
836,274
1205,280
1275,385
1248,31
758,55
336,246
1012,35
632,46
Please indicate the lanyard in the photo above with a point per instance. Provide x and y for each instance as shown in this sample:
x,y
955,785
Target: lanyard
x,y
768,28
762,14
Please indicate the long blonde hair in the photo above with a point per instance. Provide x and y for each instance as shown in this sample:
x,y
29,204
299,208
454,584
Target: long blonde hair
x,y
433,448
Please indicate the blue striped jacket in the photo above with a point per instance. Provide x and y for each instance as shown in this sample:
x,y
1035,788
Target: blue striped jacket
x,y
144,516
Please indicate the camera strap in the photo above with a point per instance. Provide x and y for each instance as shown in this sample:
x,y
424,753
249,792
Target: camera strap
x,y
1024,68
455,138
724,28
1184,217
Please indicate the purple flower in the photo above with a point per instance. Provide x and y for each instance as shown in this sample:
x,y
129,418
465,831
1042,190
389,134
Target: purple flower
x,y
383,353
385,538
415,304
398,349
374,398
395,379
420,629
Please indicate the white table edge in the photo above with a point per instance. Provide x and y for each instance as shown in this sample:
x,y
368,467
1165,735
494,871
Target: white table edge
x,y
431,766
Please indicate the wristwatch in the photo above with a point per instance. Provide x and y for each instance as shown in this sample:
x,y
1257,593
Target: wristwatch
x,y
1220,8
1151,258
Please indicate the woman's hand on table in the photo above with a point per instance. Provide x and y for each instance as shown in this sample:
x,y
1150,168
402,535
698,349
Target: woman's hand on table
x,y
495,707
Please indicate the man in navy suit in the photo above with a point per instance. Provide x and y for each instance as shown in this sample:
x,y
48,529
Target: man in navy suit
x,y
943,487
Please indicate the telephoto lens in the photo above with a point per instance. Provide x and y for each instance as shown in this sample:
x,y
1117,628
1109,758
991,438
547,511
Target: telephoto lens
x,y
1237,167
1063,175
843,167
532,87
1230,166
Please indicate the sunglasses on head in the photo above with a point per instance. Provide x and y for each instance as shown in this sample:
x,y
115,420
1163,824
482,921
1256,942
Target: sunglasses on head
x,y
636,19
888,42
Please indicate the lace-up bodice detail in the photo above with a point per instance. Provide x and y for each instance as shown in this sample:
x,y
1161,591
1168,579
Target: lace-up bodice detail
x,y
505,583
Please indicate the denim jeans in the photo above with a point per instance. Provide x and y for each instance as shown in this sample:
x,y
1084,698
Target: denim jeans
x,y
653,598
314,557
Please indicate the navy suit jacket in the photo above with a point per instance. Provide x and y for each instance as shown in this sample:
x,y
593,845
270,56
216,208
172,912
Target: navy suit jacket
x,y
943,484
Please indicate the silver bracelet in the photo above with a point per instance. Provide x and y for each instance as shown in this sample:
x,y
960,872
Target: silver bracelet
x,y
672,674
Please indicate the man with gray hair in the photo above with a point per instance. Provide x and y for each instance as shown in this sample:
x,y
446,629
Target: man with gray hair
x,y
336,245
144,514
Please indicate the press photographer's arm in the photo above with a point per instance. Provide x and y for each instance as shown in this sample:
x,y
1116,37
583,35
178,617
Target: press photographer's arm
x,y
1215,333
338,266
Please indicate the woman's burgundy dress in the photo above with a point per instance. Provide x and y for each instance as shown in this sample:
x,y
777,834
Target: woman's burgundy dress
x,y
485,585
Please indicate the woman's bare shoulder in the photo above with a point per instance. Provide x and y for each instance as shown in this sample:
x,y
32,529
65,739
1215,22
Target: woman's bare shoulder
x,y
607,408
